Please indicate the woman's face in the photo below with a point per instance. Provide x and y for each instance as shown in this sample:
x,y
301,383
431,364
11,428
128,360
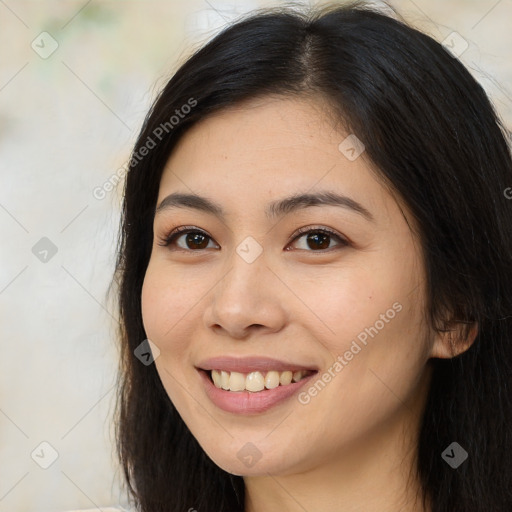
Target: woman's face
x,y
249,296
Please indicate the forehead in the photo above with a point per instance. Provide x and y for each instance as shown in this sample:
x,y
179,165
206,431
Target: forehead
x,y
268,148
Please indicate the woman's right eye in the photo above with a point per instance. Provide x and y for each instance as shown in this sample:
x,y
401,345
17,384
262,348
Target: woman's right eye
x,y
185,238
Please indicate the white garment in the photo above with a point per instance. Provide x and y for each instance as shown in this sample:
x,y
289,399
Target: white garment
x,y
101,509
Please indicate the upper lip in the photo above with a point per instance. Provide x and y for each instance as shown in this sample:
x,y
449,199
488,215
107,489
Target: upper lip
x,y
250,364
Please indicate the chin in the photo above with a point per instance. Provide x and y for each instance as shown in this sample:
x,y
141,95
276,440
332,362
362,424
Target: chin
x,y
247,467
241,457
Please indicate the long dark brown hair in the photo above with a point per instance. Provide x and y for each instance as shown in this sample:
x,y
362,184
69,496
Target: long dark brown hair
x,y
434,136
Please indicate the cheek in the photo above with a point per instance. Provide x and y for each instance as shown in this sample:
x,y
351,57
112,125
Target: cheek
x,y
167,312
353,299
383,357
374,323
154,304
167,303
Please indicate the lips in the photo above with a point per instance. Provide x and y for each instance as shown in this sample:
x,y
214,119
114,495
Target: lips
x,y
264,397
246,402
252,364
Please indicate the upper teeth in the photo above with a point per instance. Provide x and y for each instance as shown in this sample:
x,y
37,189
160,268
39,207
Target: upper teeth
x,y
254,381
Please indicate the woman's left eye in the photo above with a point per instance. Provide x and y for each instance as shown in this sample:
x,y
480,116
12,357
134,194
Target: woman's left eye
x,y
320,237
196,239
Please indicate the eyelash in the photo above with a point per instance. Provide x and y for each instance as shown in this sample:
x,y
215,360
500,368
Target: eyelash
x,y
169,239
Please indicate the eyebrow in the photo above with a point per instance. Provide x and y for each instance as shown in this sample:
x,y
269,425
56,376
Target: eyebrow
x,y
274,209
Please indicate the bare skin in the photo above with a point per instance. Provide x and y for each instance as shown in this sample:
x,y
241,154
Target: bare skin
x,y
352,445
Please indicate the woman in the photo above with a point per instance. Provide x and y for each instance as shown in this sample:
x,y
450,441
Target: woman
x,y
316,255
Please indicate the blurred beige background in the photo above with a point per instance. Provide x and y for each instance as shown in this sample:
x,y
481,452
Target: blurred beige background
x,y
76,79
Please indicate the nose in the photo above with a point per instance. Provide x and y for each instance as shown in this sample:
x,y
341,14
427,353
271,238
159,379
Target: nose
x,y
248,298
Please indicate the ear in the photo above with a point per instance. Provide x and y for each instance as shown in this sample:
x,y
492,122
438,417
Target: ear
x,y
454,342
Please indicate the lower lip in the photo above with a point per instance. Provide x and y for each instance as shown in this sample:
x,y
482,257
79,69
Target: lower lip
x,y
247,402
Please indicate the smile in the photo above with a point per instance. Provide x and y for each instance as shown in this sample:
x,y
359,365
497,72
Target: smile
x,y
252,384
247,402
